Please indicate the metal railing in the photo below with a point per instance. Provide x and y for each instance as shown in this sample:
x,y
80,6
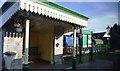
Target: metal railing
x,y
100,48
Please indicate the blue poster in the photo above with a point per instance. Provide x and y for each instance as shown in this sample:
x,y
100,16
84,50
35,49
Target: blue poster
x,y
68,41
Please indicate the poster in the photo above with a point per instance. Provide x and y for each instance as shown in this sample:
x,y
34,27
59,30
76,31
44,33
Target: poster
x,y
68,41
84,41
89,41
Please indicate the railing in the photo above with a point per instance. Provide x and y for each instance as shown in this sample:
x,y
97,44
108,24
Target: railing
x,y
99,48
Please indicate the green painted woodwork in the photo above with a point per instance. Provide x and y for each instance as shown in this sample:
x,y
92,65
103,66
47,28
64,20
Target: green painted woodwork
x,y
50,5
60,8
86,32
85,41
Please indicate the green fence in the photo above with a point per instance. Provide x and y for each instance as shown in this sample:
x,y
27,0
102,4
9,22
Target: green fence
x,y
99,51
100,48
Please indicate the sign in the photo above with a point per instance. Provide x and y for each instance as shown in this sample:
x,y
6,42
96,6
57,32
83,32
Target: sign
x,y
84,41
89,41
99,41
106,35
86,32
68,41
58,46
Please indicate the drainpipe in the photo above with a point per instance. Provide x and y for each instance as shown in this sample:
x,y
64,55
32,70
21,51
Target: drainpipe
x,y
25,65
74,49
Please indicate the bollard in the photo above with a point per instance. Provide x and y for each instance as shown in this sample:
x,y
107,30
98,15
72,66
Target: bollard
x,y
25,67
74,63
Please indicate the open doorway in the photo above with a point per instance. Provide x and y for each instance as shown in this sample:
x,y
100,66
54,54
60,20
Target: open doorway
x,y
41,47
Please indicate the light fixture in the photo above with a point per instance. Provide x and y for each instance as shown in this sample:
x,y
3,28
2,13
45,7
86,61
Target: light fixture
x,y
108,29
18,25
107,32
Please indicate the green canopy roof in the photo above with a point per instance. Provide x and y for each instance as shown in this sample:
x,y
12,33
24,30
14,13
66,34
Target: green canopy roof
x,y
86,32
60,8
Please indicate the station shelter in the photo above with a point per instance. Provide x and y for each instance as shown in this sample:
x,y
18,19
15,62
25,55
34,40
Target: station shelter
x,y
34,30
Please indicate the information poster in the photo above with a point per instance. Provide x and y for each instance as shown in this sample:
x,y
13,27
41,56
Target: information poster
x,y
89,41
69,42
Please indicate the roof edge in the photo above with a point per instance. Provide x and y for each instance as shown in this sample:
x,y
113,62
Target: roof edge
x,y
60,8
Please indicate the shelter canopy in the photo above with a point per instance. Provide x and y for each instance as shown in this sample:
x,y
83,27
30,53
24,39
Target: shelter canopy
x,y
45,8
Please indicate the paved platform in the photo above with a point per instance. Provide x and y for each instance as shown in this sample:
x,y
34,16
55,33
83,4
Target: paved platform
x,y
112,61
97,64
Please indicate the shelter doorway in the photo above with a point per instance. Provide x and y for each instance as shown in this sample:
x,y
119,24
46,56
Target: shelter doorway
x,y
41,47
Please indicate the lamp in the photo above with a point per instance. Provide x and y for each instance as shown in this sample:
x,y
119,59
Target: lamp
x,y
107,36
108,29
107,32
18,25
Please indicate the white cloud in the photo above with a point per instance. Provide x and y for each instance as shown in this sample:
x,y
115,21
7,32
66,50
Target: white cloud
x,y
100,23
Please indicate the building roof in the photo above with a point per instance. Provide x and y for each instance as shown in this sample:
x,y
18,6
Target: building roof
x,y
60,8
86,32
42,7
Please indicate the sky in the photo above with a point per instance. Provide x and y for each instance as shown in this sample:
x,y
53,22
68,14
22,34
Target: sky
x,y
101,14
2,2
84,0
